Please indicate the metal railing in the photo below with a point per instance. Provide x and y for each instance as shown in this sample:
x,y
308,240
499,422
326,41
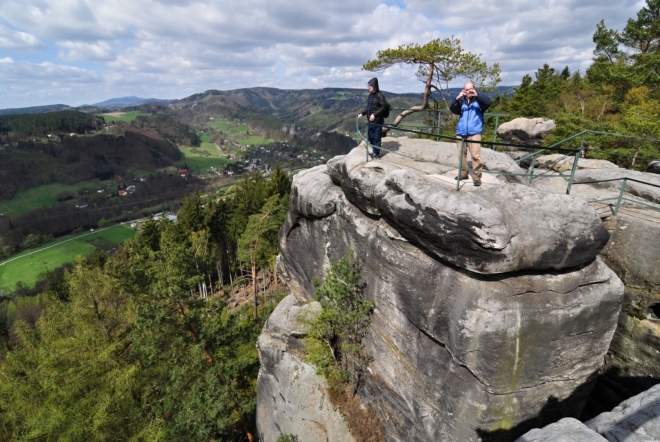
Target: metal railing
x,y
582,147
454,139
573,154
394,112
621,198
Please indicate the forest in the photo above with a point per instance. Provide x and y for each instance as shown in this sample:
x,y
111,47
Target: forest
x,y
619,93
39,125
157,341
143,344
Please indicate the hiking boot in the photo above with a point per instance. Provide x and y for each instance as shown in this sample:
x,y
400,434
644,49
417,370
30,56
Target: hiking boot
x,y
462,178
375,156
477,183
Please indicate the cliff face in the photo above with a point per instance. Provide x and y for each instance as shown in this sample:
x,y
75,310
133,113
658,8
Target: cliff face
x,y
631,365
491,304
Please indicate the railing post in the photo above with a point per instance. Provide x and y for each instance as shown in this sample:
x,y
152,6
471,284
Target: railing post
x,y
578,154
531,173
497,123
618,202
460,164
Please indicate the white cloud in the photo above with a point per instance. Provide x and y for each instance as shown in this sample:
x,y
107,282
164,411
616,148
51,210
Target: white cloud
x,y
11,40
172,48
83,51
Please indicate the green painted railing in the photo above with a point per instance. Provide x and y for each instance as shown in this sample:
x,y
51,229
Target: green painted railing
x,y
454,139
576,154
621,198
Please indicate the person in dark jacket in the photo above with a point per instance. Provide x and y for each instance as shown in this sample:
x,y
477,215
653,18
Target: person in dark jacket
x,y
376,110
470,105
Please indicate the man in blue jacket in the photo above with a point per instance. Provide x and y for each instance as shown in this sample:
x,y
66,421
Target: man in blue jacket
x,y
375,111
470,105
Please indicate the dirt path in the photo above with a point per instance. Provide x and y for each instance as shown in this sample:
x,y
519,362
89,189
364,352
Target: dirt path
x,y
220,150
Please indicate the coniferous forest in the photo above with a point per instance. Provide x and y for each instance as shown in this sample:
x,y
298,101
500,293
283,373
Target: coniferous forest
x,y
156,342
143,344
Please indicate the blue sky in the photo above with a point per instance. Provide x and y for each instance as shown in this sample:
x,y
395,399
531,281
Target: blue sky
x,y
79,51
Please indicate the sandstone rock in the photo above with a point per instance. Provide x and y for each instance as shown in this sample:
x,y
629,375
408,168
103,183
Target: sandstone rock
x,y
653,167
520,157
320,194
633,251
459,356
634,420
492,310
649,193
565,430
525,130
486,232
291,398
631,365
481,232
562,163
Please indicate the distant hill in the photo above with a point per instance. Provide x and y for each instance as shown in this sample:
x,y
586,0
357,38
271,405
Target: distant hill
x,y
35,109
267,109
129,101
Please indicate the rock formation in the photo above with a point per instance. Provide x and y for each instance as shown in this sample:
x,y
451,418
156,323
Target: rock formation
x,y
292,398
565,430
634,420
527,131
653,167
564,163
631,365
492,309
649,193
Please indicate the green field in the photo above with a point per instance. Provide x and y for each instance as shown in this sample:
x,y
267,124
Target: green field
x,y
253,140
126,117
218,125
197,159
29,264
41,196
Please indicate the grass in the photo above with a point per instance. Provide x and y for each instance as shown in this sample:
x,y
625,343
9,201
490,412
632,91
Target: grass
x,y
218,125
27,265
197,160
40,196
126,117
253,140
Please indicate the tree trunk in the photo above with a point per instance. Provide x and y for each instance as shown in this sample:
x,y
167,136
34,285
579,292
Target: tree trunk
x,y
632,165
254,286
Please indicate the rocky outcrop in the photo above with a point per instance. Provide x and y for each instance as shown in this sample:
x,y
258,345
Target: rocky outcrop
x,y
490,310
653,167
291,398
634,420
631,365
563,163
525,131
565,430
649,193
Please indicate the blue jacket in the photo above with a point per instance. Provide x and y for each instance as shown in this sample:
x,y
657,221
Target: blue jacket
x,y
471,121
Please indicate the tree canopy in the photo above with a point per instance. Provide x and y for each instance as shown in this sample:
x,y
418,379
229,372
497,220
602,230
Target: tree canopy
x,y
438,63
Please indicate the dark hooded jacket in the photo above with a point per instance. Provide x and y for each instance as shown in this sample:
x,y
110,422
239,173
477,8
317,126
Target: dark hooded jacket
x,y
376,103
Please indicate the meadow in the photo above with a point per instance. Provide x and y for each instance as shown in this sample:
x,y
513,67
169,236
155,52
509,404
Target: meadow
x,y
44,195
27,265
237,132
126,117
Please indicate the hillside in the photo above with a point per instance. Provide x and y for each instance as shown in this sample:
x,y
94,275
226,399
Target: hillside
x,y
35,109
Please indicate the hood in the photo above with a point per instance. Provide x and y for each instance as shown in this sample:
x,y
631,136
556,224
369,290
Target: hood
x,y
374,83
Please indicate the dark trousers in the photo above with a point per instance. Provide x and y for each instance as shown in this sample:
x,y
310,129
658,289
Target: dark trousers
x,y
374,134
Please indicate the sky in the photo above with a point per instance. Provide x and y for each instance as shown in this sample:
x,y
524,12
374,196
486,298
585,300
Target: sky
x,y
82,52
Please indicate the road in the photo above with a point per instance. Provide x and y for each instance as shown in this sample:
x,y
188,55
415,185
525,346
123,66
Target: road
x,y
67,240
